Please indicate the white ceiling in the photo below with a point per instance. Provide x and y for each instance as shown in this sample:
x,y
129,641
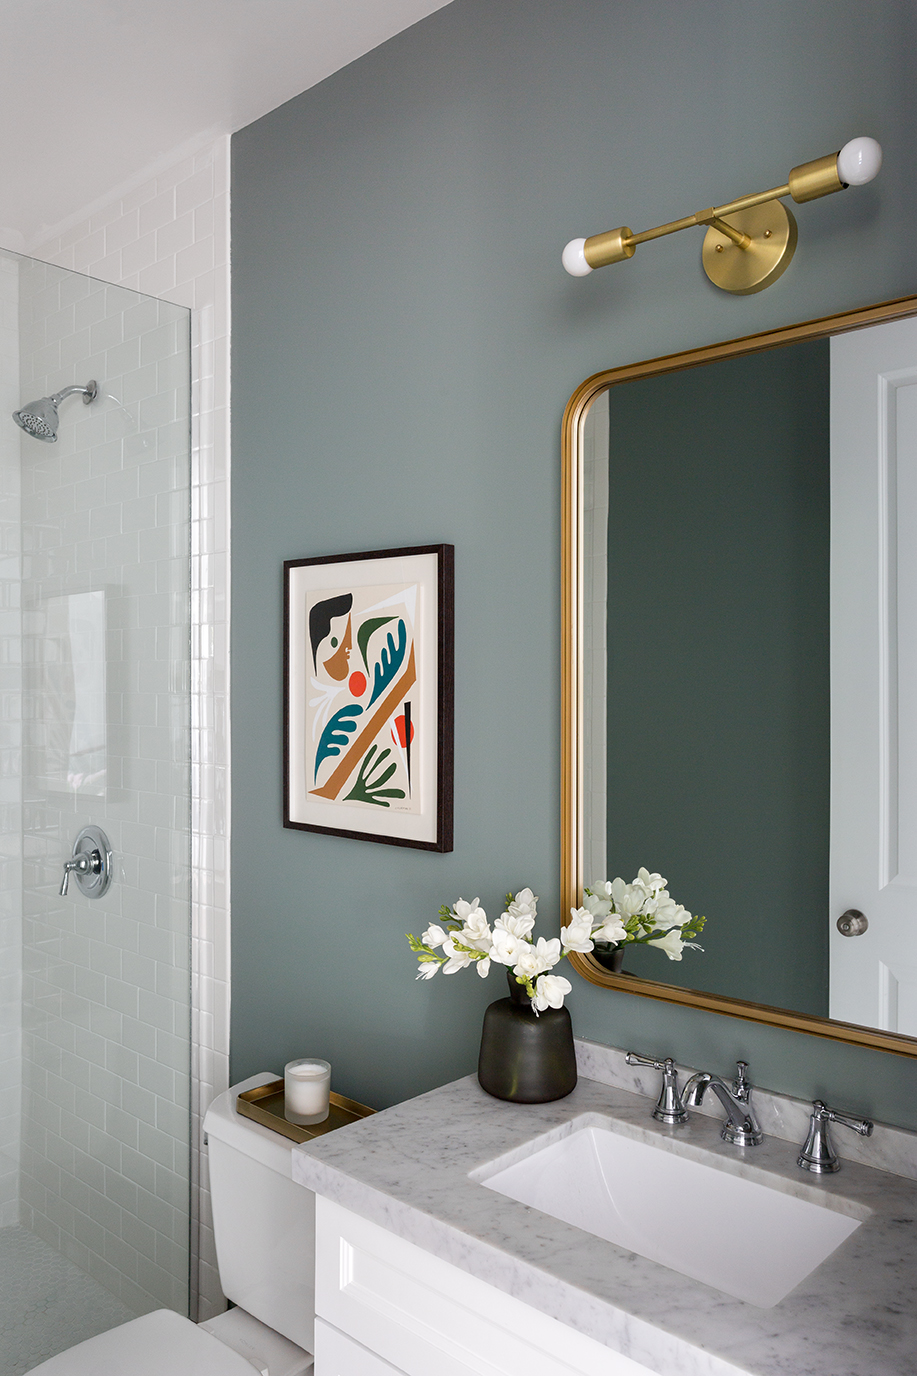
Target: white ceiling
x,y
92,92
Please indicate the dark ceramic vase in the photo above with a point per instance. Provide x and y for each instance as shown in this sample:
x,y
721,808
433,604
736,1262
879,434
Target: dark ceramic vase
x,y
525,1057
611,957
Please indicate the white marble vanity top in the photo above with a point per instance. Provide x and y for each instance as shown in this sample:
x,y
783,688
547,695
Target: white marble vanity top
x,y
407,1169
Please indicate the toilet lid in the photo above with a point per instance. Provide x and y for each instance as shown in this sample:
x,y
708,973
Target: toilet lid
x,y
158,1344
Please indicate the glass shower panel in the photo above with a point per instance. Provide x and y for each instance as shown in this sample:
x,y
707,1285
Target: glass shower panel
x,y
94,681
10,757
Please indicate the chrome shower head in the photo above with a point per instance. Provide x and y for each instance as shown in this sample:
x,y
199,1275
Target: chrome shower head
x,y
40,419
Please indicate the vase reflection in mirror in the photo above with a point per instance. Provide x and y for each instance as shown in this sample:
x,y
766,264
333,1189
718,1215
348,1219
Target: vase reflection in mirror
x,y
610,958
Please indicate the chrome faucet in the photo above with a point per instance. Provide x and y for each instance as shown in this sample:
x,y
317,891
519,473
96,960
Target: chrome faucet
x,y
669,1109
817,1153
741,1126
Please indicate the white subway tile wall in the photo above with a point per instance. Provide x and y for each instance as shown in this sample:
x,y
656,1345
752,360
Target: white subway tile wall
x,y
168,235
10,754
105,522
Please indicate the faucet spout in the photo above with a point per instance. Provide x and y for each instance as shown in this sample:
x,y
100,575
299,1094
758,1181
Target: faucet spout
x,y
741,1126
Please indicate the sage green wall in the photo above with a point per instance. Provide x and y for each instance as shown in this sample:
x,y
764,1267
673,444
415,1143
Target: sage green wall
x,y
404,341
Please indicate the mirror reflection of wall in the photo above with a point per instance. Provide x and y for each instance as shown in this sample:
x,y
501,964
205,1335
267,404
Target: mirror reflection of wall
x,y
72,726
595,635
715,546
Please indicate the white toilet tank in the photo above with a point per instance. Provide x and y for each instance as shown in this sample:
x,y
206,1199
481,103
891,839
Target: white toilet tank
x,y
263,1222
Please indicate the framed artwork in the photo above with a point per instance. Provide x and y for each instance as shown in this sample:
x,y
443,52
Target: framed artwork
x,y
368,695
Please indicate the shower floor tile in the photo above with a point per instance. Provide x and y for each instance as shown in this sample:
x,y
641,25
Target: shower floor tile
x,y
47,1303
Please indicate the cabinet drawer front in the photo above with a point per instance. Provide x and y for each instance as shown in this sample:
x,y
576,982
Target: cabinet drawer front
x,y
338,1355
425,1315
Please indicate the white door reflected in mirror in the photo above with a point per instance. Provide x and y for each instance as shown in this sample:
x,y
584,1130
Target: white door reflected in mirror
x,y
874,674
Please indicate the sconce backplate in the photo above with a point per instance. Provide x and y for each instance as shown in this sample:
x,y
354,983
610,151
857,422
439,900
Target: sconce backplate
x,y
743,271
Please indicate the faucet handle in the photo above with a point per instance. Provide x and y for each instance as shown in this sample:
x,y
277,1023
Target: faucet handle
x,y
669,1108
817,1154
741,1085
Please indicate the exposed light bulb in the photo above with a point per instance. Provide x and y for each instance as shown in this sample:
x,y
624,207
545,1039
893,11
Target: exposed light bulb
x,y
574,259
859,161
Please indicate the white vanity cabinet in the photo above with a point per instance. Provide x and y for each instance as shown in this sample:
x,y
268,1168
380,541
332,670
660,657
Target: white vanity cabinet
x,y
384,1306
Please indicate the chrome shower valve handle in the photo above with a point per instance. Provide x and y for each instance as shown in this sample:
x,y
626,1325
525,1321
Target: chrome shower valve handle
x,y
80,864
817,1153
669,1109
91,863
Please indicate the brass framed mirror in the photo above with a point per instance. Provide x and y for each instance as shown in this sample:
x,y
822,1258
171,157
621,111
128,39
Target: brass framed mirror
x,y
768,480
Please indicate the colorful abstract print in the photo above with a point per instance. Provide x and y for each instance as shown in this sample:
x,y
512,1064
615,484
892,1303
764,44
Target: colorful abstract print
x,y
362,713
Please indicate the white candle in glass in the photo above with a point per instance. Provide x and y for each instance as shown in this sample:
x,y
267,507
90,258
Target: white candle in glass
x,y
306,1085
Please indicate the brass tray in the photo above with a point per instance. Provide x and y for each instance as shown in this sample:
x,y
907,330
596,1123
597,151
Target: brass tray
x,y
265,1106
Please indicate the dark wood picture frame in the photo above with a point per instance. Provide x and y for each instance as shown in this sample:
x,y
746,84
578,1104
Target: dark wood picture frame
x,y
376,743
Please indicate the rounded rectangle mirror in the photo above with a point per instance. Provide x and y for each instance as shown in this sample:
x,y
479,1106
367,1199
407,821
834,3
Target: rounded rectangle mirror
x,y
740,663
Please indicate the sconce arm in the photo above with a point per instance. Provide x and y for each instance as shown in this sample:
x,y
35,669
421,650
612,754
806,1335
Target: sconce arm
x,y
859,160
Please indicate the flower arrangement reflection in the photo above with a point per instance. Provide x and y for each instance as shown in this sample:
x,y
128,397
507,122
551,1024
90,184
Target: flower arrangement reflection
x,y
643,912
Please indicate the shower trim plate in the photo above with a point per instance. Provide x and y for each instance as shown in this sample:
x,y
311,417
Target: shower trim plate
x,y
91,863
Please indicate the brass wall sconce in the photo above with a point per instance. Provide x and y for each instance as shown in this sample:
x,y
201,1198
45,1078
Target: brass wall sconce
x,y
756,245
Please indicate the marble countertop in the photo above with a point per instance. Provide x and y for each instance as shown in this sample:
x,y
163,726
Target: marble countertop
x,y
408,1168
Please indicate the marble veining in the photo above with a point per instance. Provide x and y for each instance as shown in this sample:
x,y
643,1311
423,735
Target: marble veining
x,y
409,1170
780,1115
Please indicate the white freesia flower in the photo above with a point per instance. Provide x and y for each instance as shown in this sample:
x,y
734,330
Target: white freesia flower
x,y
506,946
548,951
464,911
529,963
516,926
434,936
577,935
597,906
427,969
664,911
662,908
458,960
534,959
671,914
550,992
671,943
524,904
612,929
628,898
483,967
476,931
651,883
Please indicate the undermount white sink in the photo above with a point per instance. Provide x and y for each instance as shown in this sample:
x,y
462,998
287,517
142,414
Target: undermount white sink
x,y
750,1239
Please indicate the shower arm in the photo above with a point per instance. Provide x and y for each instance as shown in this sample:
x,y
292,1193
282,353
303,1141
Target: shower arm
x,y
89,393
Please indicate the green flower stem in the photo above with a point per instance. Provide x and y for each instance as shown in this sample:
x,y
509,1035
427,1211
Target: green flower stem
x,y
524,980
423,952
469,951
